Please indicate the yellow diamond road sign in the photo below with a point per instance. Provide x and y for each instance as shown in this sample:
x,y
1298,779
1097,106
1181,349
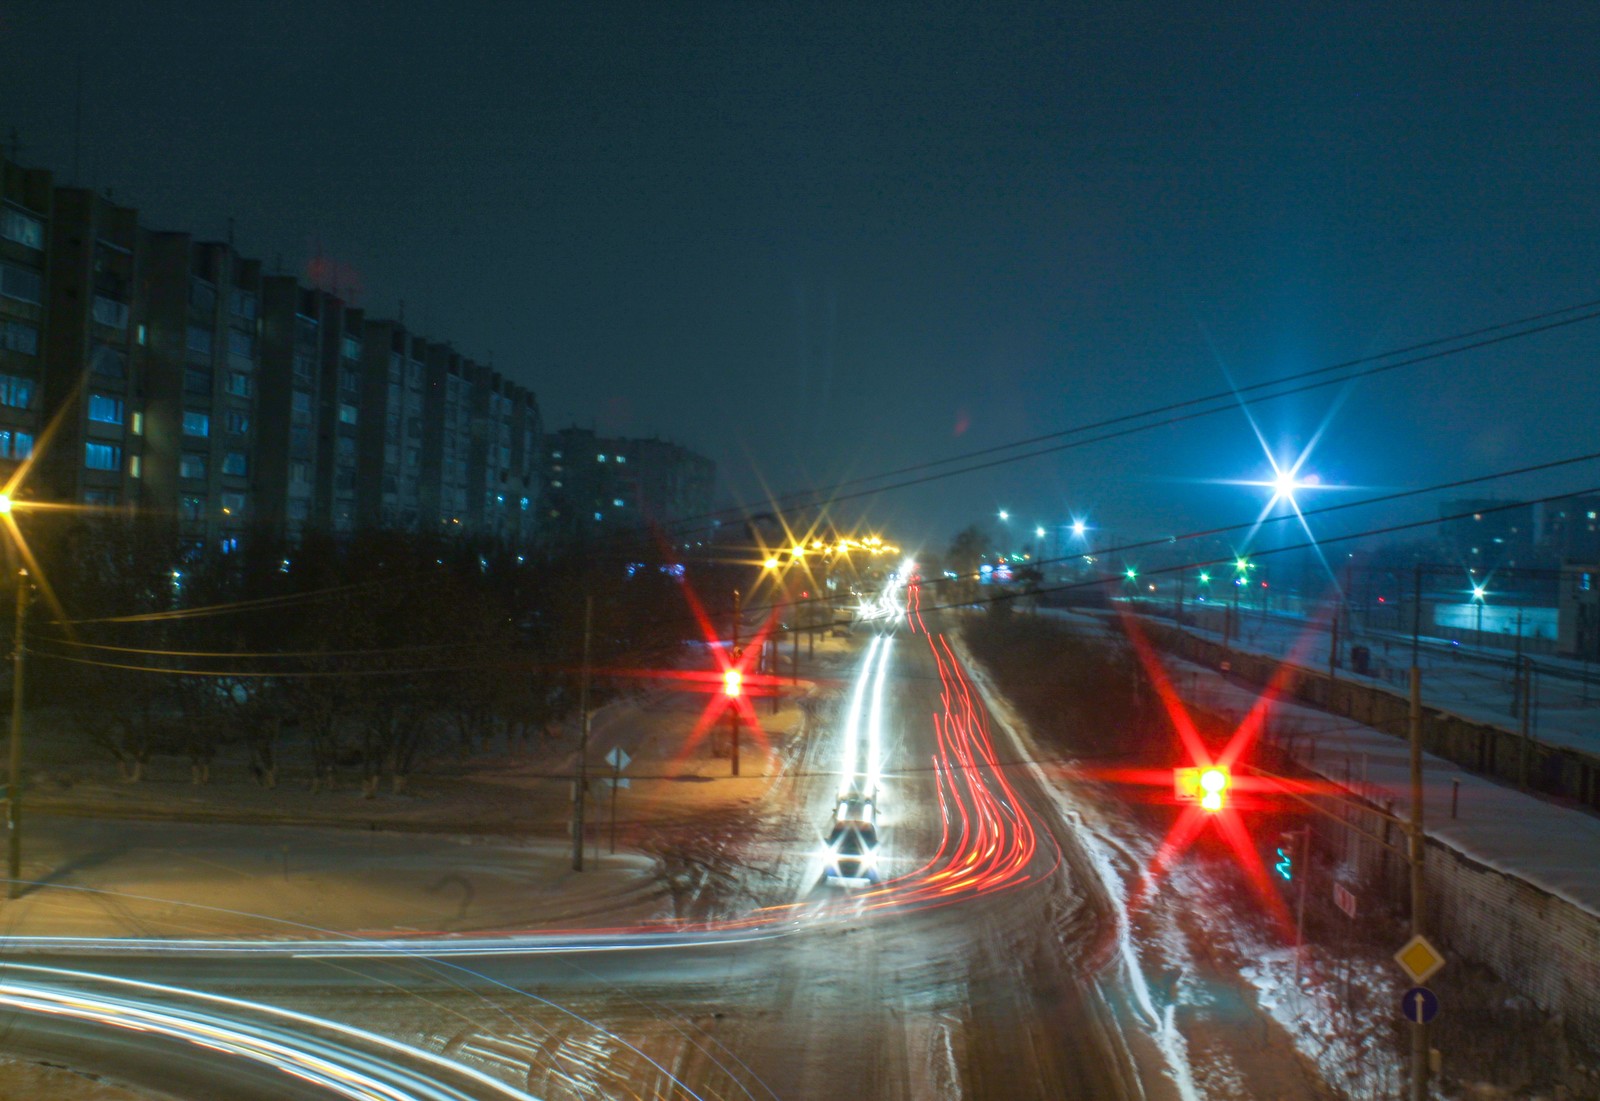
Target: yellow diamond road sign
x,y
1419,959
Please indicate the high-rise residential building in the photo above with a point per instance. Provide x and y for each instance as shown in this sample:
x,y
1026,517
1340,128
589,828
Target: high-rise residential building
x,y
203,303
176,378
338,438
26,203
594,484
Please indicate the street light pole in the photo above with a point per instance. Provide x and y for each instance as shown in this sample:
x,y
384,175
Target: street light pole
x,y
733,708
579,793
1419,1031
14,777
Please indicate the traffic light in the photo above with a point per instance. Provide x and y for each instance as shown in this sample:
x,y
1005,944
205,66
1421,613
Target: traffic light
x,y
732,683
1285,865
1207,786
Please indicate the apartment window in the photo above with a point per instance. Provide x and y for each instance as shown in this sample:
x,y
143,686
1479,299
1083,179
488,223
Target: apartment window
x,y
108,311
242,303
622,458
241,344
21,283
300,473
239,384
599,458
347,413
616,502
305,366
19,336
238,422
108,361
1585,581
16,391
414,375
555,454
346,449
14,444
298,509
102,456
413,458
105,409
191,507
200,339
202,295
197,380
135,465
233,504
556,484
100,498
196,423
302,403
236,463
19,227
192,464
350,380
352,347
137,428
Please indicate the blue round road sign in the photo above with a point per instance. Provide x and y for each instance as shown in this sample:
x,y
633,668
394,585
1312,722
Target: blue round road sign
x,y
1419,1005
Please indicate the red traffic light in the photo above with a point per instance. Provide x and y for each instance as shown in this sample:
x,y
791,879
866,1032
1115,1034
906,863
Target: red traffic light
x,y
1207,786
732,683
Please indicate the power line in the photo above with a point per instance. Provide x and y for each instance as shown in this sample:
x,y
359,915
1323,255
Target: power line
x,y
1229,399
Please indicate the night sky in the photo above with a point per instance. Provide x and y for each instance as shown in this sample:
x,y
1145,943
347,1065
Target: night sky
x,y
818,241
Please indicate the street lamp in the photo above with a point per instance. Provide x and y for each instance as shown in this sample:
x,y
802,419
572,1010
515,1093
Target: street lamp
x,y
1478,593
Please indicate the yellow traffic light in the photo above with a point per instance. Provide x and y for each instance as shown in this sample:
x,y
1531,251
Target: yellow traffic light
x,y
732,683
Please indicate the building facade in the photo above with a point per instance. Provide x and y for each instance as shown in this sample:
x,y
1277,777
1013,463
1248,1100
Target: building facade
x,y
594,484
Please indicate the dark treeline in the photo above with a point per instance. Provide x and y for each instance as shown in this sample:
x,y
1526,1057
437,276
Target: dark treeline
x,y
363,658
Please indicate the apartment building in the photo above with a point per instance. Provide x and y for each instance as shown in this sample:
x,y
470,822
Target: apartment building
x,y
176,377
594,484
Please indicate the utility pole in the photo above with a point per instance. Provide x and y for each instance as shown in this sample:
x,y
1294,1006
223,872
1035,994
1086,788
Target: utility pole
x,y
14,777
733,708
579,790
1419,1031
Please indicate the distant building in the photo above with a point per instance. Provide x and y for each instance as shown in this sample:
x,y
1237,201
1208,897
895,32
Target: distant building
x,y
594,484
1578,611
1485,533
1569,529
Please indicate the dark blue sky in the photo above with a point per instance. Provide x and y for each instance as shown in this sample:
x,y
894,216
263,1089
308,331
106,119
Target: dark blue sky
x,y
821,240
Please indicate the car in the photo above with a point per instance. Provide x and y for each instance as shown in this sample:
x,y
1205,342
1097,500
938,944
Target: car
x,y
852,853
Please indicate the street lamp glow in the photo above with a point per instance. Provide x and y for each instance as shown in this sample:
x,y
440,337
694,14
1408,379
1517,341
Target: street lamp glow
x,y
1478,592
1242,565
1205,578
1038,533
1004,515
1132,573
1079,527
771,563
5,503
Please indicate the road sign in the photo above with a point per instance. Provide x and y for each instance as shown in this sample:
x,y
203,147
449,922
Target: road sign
x,y
617,759
1419,1005
1345,900
1419,959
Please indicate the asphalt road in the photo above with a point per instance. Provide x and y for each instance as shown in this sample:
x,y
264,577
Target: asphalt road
x,y
972,969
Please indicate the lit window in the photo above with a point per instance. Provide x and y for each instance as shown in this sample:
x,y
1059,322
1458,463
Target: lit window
x,y
555,485
622,458
239,384
617,502
196,423
192,464
1585,580
192,508
15,445
352,347
555,454
102,456
1591,514
233,504
347,413
236,462
138,424
16,391
599,458
105,409
238,423
135,465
